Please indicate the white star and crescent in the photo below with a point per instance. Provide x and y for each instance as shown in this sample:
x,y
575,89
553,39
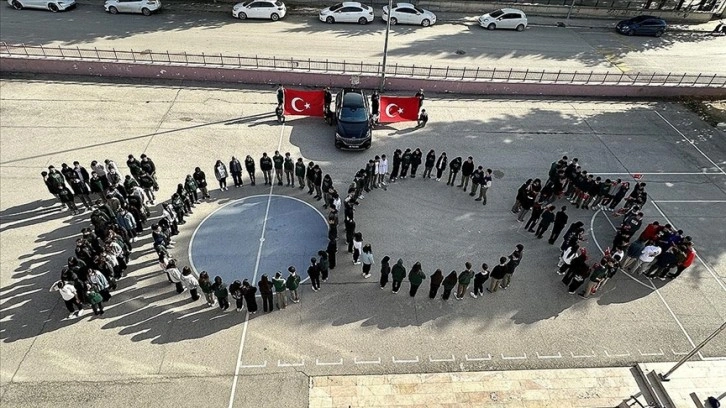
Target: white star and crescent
x,y
388,110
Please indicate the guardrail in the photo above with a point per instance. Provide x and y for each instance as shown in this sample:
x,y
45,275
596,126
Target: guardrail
x,y
364,69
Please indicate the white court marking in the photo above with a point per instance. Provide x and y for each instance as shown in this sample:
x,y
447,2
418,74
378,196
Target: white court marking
x,y
691,142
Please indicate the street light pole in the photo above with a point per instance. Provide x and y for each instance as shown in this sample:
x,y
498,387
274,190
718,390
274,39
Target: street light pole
x,y
385,46
664,377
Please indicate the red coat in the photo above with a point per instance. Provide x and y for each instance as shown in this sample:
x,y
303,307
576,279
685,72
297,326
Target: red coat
x,y
690,256
650,232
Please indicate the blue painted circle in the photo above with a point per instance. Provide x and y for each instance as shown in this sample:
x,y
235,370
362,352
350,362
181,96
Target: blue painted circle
x,y
227,243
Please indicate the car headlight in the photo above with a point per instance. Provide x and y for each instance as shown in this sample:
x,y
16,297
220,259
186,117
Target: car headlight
x,y
338,136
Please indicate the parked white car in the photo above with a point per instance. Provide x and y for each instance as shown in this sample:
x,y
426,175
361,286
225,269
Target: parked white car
x,y
52,5
509,18
407,13
347,12
265,9
145,7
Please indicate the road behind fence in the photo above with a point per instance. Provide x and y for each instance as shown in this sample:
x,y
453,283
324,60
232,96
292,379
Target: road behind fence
x,y
474,74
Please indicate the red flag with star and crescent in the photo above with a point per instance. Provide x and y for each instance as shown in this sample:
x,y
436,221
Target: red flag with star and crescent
x,y
398,109
304,103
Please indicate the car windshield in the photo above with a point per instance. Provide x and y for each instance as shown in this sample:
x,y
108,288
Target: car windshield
x,y
278,4
496,13
418,9
353,114
247,3
336,6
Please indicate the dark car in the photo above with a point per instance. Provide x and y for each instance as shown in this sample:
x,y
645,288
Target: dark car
x,y
642,25
352,117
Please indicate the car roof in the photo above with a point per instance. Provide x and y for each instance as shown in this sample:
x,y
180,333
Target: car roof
x,y
511,10
396,5
353,97
352,3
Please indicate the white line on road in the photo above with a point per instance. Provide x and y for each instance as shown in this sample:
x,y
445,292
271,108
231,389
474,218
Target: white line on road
x,y
487,358
660,353
442,360
300,364
691,142
523,357
404,361
690,201
688,173
355,360
334,363
254,279
549,357
680,353
584,355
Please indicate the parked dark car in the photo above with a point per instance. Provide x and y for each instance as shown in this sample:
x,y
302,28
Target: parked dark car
x,y
642,25
352,117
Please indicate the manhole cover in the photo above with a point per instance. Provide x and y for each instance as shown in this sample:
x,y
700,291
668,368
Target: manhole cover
x,y
460,52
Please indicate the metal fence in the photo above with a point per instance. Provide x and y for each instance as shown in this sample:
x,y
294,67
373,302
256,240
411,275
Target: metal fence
x,y
364,69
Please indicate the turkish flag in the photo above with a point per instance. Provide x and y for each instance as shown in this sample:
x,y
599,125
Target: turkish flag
x,y
304,103
398,109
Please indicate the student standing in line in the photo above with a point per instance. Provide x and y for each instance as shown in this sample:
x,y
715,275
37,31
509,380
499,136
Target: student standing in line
x,y
278,161
280,287
250,167
221,292
265,287
416,276
190,282
357,247
292,283
436,280
396,165
248,291
70,297
497,274
266,167
454,167
486,183
235,289
398,273
220,172
314,274
429,163
332,250
479,279
323,265
367,259
440,166
289,166
465,278
235,168
466,170
559,225
349,230
514,259
385,271
449,284
206,285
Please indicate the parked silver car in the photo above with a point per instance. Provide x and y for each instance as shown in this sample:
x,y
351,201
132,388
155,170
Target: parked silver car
x,y
145,7
52,5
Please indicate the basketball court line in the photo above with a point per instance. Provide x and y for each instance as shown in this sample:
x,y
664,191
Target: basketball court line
x,y
691,143
254,279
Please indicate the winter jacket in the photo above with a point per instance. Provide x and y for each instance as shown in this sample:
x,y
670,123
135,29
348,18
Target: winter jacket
x,y
466,276
280,284
416,276
292,282
220,171
398,271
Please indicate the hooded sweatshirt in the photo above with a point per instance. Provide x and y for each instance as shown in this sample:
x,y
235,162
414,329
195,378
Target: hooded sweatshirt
x,y
398,271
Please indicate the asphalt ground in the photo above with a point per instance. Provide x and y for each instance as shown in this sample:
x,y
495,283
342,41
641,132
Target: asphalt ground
x,y
154,346
457,41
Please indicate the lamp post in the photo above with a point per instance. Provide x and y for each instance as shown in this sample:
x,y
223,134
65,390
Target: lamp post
x,y
664,377
385,47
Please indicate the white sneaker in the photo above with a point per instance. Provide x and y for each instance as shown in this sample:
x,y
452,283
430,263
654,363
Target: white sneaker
x,y
367,276
472,295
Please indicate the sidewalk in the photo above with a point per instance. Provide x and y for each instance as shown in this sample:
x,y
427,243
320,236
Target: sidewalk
x,y
576,388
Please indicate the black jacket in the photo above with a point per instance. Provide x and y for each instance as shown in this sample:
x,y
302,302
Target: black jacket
x,y
265,163
499,271
467,168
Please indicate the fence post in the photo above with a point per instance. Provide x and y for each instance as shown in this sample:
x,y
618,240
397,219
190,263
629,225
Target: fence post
x,y
665,81
696,80
509,76
343,66
711,81
79,52
650,81
151,55
446,75
326,65
133,55
557,79
239,60
476,75
24,49
204,59
257,62
395,69
310,65
98,57
634,79
589,78
494,71
61,51
681,80
41,48
168,57
605,77
430,68
526,73
463,73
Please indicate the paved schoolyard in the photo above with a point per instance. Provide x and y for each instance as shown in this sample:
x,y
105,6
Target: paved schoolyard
x,y
155,345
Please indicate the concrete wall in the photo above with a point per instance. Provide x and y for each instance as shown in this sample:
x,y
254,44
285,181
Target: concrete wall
x,y
230,75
